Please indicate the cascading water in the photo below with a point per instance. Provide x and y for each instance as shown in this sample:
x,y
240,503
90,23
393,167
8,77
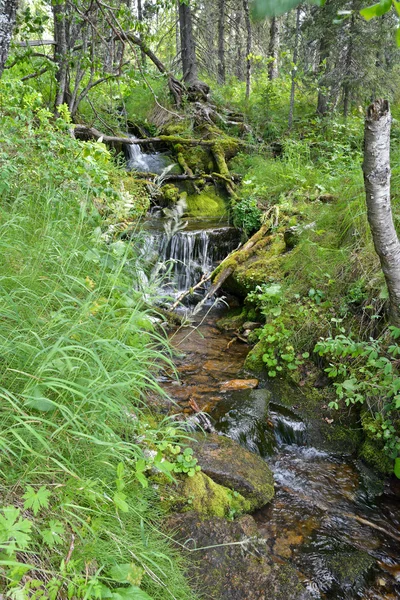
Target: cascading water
x,y
152,162
190,253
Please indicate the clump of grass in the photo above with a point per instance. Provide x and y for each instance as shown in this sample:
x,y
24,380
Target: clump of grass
x,y
79,357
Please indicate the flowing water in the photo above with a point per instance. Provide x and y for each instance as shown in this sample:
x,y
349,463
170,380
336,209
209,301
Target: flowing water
x,y
331,516
189,253
152,162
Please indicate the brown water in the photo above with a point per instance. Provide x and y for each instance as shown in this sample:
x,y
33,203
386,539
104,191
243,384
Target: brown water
x,y
331,517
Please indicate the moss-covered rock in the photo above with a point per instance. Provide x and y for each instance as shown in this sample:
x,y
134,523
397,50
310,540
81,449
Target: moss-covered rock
x,y
170,193
211,499
254,361
206,204
376,457
232,321
230,465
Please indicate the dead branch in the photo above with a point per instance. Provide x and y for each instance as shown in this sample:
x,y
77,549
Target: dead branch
x,y
190,291
229,264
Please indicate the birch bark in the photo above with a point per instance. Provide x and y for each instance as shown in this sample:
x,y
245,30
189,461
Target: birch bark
x,y
8,9
376,169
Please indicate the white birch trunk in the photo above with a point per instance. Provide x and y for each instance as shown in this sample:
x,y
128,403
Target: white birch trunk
x,y
8,9
376,169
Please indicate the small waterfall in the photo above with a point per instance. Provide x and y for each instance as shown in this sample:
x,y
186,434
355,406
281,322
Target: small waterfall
x,y
190,253
152,162
136,159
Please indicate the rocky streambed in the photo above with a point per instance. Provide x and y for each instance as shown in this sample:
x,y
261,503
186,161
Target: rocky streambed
x,y
332,528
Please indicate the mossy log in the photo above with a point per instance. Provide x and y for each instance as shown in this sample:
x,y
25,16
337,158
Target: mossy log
x,y
91,132
219,157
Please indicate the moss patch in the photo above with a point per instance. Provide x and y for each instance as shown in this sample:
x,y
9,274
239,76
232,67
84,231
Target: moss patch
x,y
211,499
376,457
206,204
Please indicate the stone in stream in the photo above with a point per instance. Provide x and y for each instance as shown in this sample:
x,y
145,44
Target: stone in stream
x,y
239,384
234,467
238,565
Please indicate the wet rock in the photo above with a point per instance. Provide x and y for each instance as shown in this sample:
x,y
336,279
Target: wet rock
x,y
244,416
239,384
251,325
238,566
349,569
211,499
228,464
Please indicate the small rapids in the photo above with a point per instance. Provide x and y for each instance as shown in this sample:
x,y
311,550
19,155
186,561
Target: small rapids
x,y
189,253
331,517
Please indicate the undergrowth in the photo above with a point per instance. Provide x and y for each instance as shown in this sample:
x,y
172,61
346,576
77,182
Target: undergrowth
x,y
79,356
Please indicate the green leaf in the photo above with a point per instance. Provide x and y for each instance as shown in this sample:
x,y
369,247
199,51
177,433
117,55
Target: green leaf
x,y
119,501
36,500
127,573
397,468
14,531
130,593
38,401
397,7
398,36
376,10
52,535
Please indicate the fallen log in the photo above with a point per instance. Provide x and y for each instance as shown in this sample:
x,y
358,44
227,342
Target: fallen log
x,y
92,132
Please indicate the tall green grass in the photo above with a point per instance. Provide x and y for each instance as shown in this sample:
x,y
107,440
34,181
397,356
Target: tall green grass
x,y
80,358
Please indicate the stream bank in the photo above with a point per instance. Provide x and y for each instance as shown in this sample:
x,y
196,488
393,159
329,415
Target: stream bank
x,y
332,529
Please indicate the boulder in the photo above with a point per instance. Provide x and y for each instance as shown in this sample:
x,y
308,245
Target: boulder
x,y
234,467
211,499
235,563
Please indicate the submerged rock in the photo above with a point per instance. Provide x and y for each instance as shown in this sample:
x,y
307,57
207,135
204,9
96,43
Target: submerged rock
x,y
239,384
235,564
232,466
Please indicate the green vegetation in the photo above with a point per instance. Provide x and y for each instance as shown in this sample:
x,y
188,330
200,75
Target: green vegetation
x,y
206,204
79,357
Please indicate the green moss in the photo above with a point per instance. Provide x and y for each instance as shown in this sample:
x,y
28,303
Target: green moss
x,y
170,193
183,129
198,159
211,499
375,456
206,204
254,361
344,438
233,320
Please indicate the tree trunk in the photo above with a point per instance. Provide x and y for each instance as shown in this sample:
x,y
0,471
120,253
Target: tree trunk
x,y
273,49
347,77
221,42
322,106
237,44
188,48
294,70
248,46
140,19
8,9
376,169
60,51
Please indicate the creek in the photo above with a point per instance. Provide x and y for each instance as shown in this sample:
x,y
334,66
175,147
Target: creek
x,y
331,518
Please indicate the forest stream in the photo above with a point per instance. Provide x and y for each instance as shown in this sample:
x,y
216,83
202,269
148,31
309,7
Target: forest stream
x,y
331,518
316,519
